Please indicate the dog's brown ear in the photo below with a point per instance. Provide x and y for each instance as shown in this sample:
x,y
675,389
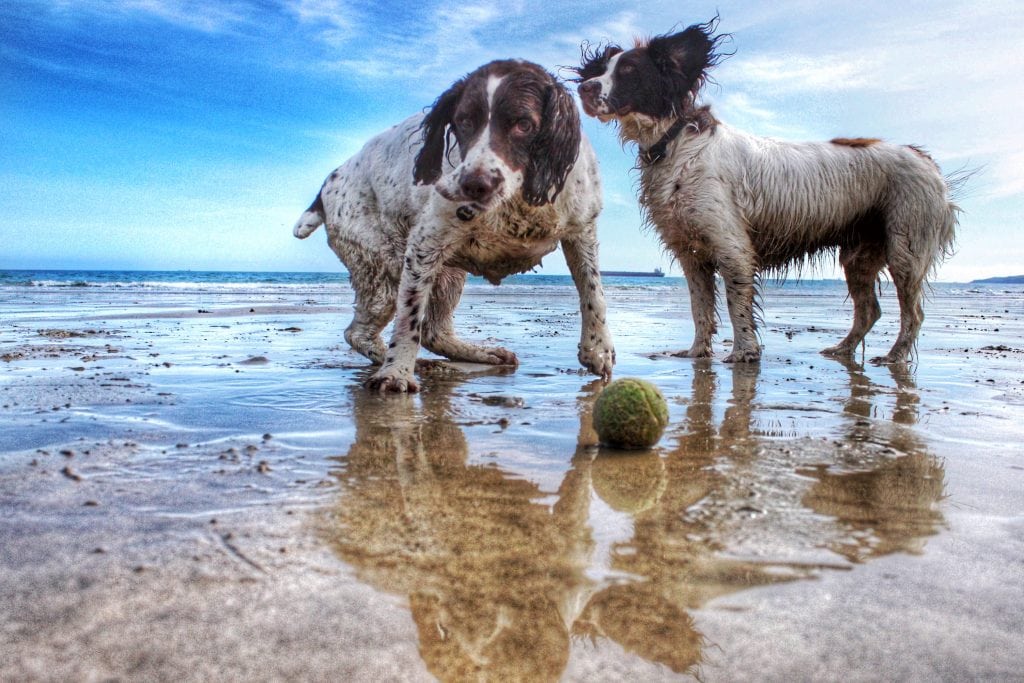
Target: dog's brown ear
x,y
435,128
684,57
554,149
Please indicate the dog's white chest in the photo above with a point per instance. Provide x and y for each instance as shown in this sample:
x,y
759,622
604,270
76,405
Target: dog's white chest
x,y
507,243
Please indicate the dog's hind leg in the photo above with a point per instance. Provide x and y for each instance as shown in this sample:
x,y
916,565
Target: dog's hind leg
x,y
374,309
861,264
910,250
910,292
439,331
700,280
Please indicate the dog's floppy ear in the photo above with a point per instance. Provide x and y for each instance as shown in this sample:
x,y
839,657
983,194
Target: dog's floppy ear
x,y
684,57
554,149
436,135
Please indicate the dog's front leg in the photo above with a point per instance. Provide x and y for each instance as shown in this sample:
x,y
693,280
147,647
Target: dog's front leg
x,y
738,272
439,331
597,353
429,243
700,281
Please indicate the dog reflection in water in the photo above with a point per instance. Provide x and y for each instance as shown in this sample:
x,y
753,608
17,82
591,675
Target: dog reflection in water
x,y
494,571
490,573
501,576
891,507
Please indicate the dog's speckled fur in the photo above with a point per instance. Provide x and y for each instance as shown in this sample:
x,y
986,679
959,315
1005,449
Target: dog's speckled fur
x,y
526,181
725,201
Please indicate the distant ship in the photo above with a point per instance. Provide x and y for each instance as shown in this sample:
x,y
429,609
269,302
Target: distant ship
x,y
657,272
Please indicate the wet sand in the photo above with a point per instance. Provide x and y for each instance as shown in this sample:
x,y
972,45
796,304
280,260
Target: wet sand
x,y
191,495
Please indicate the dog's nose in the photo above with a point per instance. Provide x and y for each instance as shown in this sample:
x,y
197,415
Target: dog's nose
x,y
591,87
480,187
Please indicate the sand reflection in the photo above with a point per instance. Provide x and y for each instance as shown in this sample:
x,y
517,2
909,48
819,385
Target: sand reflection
x,y
501,576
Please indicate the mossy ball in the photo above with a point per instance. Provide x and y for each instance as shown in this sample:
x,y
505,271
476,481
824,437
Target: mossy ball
x,y
630,413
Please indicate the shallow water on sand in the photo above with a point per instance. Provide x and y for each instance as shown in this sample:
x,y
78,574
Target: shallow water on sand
x,y
258,514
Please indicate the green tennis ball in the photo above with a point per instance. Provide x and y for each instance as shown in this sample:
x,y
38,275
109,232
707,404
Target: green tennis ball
x,y
630,413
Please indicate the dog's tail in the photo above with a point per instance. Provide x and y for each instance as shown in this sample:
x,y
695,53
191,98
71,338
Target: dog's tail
x,y
957,187
311,219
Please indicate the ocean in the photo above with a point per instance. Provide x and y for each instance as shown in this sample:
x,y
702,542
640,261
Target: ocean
x,y
177,279
267,282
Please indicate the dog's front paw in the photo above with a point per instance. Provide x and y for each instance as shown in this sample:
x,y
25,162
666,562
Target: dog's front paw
x,y
695,351
500,356
890,359
390,380
840,351
744,356
598,359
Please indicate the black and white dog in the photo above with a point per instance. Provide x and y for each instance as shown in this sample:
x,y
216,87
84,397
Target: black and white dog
x,y
729,202
409,223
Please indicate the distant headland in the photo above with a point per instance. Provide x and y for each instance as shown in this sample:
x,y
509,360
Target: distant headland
x,y
1004,280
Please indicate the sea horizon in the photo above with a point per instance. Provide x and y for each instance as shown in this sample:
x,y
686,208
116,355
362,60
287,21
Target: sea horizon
x,y
98,277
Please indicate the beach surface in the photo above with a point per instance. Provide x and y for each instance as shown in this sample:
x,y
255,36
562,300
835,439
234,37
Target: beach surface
x,y
195,486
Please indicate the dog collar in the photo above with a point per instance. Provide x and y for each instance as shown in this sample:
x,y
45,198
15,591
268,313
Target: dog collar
x,y
656,152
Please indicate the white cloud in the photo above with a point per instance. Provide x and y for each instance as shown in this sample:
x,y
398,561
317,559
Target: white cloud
x,y
1007,173
198,15
947,77
453,36
739,106
620,28
780,73
335,17
450,41
209,17
620,199
563,48
455,20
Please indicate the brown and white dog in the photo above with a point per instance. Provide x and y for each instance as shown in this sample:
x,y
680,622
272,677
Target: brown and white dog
x,y
725,201
409,222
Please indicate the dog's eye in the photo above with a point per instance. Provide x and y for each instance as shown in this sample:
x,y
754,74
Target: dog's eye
x,y
523,126
626,68
464,124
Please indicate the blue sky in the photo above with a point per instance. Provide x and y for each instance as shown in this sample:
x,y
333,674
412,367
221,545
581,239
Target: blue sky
x,y
179,134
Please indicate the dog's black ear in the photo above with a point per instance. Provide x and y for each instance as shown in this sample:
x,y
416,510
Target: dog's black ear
x,y
554,149
684,57
593,60
435,129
